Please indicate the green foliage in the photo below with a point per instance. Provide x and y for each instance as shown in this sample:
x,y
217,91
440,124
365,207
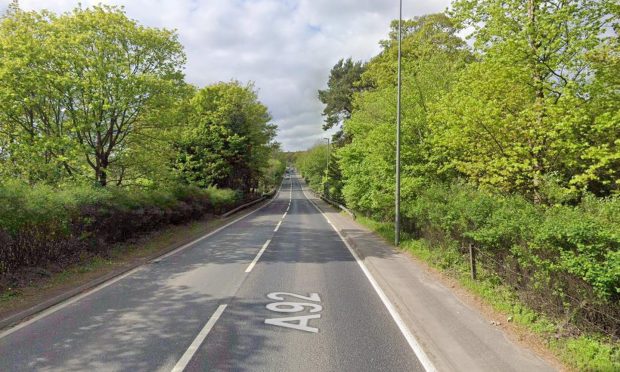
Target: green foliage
x,y
91,96
101,139
344,80
80,92
432,56
581,241
540,100
512,147
227,140
312,165
272,173
590,354
40,224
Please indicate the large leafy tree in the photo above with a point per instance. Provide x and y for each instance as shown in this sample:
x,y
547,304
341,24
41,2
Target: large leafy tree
x,y
34,140
120,74
535,108
432,56
77,90
344,81
228,138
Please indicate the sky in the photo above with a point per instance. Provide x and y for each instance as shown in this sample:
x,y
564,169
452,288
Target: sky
x,y
286,47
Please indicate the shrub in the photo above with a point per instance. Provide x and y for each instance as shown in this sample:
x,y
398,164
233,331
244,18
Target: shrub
x,y
563,259
40,224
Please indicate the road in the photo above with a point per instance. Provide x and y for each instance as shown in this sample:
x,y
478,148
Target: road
x,y
277,290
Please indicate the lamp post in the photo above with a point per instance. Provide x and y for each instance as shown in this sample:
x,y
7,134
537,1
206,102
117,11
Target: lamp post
x,y
327,167
397,196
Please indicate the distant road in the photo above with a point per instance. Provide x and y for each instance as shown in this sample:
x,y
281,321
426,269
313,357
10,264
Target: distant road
x,y
277,290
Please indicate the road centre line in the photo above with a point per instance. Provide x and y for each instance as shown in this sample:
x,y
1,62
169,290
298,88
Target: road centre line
x,y
95,289
189,353
413,343
277,226
284,215
260,253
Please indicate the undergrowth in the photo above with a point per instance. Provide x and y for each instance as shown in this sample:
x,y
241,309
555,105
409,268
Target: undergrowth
x,y
583,352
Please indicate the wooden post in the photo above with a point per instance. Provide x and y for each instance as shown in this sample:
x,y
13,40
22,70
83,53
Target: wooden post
x,y
472,261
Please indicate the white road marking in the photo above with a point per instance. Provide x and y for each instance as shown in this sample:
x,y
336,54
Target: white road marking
x,y
284,215
413,343
75,299
64,304
189,353
295,322
260,253
277,226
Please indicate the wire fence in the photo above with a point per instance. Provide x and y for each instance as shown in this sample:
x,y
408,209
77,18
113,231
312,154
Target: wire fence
x,y
608,322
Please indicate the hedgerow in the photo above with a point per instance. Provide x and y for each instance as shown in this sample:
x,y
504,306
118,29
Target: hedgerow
x,y
41,224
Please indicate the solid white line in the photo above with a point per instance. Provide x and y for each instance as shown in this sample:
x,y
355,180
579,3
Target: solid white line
x,y
213,232
413,343
260,253
75,299
189,353
277,226
66,303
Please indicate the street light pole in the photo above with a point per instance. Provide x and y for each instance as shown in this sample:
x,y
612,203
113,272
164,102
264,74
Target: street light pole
x,y
327,167
397,196
328,153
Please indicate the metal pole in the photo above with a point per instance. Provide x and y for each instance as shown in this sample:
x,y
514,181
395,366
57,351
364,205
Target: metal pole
x,y
327,169
397,196
328,154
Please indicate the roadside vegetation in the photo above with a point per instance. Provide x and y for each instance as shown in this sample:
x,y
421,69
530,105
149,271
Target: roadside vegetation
x,y
101,138
510,145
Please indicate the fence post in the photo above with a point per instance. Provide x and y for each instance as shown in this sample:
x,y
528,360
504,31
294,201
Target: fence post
x,y
472,261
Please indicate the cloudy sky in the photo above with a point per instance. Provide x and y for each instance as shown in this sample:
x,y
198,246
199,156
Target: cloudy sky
x,y
287,47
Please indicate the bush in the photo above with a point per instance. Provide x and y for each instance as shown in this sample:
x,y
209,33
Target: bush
x,y
41,225
562,259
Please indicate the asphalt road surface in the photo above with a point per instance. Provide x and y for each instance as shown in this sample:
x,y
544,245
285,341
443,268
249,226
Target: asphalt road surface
x,y
277,290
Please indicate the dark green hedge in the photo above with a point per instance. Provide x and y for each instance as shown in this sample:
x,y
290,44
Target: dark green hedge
x,y
41,225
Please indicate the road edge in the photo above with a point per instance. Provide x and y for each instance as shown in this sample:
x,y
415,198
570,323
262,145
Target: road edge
x,y
406,332
16,321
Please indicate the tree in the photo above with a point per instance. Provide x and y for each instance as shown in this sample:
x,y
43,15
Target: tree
x,y
432,56
312,164
33,136
118,72
344,81
529,98
228,138
77,88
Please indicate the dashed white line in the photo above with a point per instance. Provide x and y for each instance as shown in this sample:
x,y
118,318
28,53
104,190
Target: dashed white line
x,y
260,253
413,343
189,353
77,298
277,226
284,215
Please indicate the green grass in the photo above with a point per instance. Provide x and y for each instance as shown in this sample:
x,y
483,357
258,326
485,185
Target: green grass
x,y
9,295
583,353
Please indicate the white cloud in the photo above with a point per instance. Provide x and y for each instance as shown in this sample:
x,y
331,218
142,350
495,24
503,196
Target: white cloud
x,y
287,47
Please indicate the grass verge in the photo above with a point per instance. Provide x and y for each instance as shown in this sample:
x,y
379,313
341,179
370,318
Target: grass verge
x,y
591,352
120,257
